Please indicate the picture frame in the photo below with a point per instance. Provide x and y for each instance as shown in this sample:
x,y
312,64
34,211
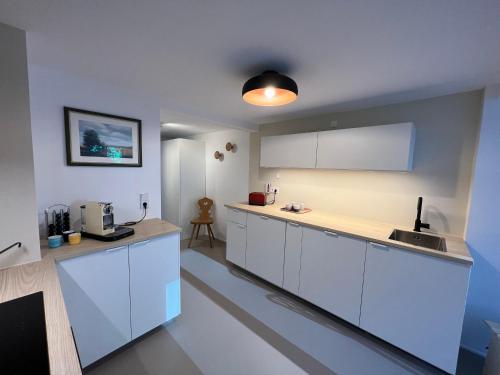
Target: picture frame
x,y
102,140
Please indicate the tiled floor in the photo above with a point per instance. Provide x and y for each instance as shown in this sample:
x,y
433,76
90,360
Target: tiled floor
x,y
233,323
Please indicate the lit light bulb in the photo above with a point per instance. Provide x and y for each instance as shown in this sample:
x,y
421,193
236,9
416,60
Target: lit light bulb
x,y
270,92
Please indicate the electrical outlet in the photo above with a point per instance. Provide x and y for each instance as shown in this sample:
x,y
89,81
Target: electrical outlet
x,y
273,189
143,198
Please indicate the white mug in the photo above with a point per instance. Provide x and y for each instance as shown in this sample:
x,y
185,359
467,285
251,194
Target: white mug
x,y
288,206
296,206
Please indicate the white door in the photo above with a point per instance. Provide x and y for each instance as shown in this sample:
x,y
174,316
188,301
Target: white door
x,y
265,253
293,249
96,295
192,182
385,147
154,282
415,302
289,151
236,243
331,273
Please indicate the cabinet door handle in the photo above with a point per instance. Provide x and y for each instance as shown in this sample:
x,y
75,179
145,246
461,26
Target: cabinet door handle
x,y
331,234
294,224
235,210
379,245
264,217
115,249
141,242
241,226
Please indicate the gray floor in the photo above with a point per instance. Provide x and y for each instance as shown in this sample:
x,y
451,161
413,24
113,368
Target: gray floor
x,y
234,323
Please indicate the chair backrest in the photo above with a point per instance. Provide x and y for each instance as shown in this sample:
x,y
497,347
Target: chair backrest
x,y
205,205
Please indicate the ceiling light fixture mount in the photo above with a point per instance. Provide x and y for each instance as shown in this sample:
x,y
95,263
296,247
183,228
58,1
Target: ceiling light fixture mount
x,y
270,89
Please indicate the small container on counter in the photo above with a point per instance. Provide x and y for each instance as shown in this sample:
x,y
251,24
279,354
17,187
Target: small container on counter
x,y
74,238
66,234
55,241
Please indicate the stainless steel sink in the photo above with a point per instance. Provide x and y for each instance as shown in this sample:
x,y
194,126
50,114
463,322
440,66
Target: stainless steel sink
x,y
419,239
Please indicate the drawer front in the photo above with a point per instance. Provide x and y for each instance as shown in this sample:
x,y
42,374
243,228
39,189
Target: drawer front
x,y
331,272
96,294
265,254
236,243
293,252
236,216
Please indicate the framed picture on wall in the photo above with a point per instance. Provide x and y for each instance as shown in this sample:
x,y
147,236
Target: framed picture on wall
x,y
100,139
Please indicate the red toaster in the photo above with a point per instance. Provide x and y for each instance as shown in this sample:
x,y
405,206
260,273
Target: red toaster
x,y
257,199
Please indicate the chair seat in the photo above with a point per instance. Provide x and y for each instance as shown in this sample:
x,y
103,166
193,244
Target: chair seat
x,y
202,221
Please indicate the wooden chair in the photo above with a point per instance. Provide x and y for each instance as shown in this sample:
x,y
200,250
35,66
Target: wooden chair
x,y
204,218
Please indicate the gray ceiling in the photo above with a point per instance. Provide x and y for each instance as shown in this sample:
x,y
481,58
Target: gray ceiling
x,y
196,55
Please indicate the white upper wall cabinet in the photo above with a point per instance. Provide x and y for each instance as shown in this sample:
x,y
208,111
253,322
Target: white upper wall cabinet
x,y
375,148
289,151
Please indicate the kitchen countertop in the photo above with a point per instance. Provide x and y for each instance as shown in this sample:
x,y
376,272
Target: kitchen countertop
x,y
25,279
457,249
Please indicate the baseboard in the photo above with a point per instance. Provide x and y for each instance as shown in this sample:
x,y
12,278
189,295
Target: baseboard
x,y
472,350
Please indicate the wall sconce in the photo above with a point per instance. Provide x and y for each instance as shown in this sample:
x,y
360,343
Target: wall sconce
x,y
231,146
219,155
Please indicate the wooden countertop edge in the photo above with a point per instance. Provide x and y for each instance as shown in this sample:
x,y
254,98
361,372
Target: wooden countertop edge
x,y
25,279
89,246
449,255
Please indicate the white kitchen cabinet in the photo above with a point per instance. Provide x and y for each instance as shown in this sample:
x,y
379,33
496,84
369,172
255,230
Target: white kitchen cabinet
x,y
96,295
236,216
154,282
289,151
385,147
331,273
236,243
265,253
293,250
183,181
415,302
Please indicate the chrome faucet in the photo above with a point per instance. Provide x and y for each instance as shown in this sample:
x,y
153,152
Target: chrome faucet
x,y
418,222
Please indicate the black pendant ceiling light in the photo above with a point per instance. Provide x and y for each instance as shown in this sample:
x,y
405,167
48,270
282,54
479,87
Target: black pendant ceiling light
x,y
270,89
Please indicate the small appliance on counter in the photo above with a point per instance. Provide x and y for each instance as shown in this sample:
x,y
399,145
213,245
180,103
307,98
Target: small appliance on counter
x,y
98,222
257,199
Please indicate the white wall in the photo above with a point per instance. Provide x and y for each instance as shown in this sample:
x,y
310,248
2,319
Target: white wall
x,y
17,185
58,183
228,180
446,132
483,230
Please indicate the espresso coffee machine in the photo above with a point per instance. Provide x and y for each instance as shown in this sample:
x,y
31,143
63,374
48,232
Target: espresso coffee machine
x,y
98,222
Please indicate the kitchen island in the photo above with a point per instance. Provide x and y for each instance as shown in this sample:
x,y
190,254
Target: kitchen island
x,y
43,276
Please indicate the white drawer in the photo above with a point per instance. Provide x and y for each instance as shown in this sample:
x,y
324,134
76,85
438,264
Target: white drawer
x,y
236,216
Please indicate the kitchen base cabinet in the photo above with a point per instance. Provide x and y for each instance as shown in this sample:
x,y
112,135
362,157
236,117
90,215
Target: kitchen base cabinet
x,y
415,302
265,254
96,295
331,273
154,283
236,243
293,251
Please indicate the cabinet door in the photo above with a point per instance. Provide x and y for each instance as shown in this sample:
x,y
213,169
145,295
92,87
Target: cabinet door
x,y
386,148
96,295
293,249
289,151
236,216
265,253
331,273
415,302
154,283
236,243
